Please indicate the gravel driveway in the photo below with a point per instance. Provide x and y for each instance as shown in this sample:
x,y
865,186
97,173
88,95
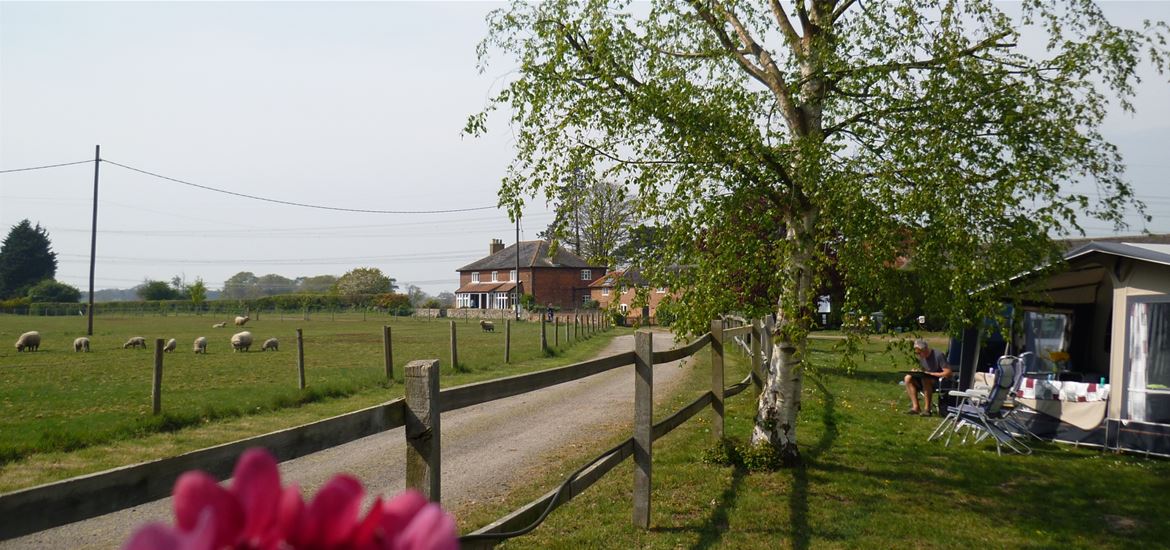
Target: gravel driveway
x,y
487,449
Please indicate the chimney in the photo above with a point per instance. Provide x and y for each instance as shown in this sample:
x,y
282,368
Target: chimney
x,y
495,246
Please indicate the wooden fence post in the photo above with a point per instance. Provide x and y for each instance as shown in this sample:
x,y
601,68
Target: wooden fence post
x,y
543,337
388,350
423,458
300,359
717,378
454,349
643,421
557,331
156,382
507,340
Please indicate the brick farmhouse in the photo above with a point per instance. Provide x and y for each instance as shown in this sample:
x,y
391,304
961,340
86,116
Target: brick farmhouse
x,y
620,289
561,280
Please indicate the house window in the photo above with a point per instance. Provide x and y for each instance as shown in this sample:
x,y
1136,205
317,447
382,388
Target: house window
x,y
605,292
475,276
512,275
586,274
661,290
625,308
585,299
1148,356
495,276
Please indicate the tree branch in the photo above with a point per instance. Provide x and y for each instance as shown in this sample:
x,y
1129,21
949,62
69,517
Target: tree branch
x,y
786,28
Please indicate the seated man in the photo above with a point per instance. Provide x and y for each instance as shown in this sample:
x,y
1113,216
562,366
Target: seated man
x,y
933,365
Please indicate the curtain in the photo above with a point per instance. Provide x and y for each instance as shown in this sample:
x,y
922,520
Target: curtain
x,y
1139,341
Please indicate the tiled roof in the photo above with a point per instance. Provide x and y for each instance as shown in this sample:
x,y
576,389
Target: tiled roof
x,y
532,254
631,277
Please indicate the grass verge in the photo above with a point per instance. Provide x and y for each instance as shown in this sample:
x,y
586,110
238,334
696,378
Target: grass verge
x,y
869,480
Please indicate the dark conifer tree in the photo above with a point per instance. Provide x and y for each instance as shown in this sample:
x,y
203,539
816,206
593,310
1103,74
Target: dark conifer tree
x,y
26,258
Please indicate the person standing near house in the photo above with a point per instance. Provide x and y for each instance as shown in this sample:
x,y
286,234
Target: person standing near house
x,y
933,366
548,313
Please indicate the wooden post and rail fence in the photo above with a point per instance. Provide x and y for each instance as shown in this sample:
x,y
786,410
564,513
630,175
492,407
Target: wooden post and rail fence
x,y
50,505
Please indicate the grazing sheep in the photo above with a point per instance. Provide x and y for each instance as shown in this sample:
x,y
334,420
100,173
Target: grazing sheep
x,y
219,325
240,321
135,342
241,341
170,345
201,344
30,340
270,344
81,344
487,326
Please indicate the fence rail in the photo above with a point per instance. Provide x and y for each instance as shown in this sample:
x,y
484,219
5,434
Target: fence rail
x,y
67,501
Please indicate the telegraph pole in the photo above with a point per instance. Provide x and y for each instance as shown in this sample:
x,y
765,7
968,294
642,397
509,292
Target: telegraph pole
x,y
97,163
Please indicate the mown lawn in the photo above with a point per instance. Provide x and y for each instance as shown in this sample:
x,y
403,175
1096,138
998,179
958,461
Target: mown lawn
x,y
869,480
64,413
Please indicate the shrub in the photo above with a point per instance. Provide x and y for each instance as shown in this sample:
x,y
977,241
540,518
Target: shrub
x,y
49,290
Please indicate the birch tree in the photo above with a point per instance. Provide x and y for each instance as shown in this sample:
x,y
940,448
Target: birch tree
x,y
786,141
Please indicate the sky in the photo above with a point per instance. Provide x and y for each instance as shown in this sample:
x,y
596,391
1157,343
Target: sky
x,y
341,105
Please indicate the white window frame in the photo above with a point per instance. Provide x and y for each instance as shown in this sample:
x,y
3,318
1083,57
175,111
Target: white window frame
x,y
660,290
585,299
605,292
586,274
512,275
475,276
625,308
495,276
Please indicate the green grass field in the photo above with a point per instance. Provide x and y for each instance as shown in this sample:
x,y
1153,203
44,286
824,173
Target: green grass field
x,y
57,405
870,480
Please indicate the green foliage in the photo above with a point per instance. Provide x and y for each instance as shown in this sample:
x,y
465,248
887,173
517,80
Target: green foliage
x,y
364,280
745,456
667,312
26,258
157,290
528,302
912,132
198,292
50,290
591,304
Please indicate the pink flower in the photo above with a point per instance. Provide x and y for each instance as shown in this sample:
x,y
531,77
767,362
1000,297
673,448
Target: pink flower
x,y
257,513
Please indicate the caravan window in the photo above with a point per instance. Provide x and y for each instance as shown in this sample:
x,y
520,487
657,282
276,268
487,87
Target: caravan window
x,y
1047,335
1147,355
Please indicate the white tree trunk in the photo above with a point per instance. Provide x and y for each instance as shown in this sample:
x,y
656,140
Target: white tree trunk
x,y
779,403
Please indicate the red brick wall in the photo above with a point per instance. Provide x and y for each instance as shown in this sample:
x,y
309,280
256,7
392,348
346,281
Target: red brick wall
x,y
562,287
627,298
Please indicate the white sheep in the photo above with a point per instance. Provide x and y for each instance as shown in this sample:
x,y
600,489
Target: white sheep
x,y
135,342
487,326
170,345
81,344
219,325
241,341
270,344
201,344
240,321
30,340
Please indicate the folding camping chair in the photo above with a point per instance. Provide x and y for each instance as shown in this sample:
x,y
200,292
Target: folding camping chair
x,y
981,414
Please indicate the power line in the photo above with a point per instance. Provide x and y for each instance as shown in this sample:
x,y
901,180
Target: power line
x,y
300,204
46,166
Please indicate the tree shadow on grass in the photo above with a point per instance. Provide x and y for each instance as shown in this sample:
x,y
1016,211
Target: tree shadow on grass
x,y
798,499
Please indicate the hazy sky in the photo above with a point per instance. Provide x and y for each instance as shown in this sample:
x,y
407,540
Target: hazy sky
x,y
348,105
